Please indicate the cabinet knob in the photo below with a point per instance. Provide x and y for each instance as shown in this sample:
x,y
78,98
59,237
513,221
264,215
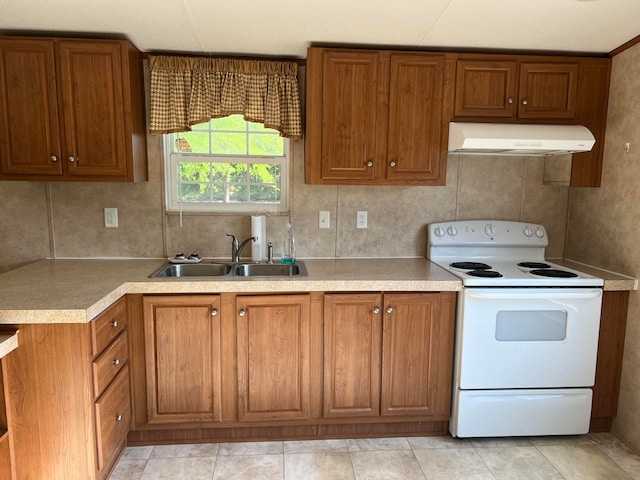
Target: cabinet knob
x,y
510,101
118,418
116,361
369,163
54,159
242,313
393,164
389,310
376,310
525,102
114,323
71,159
214,312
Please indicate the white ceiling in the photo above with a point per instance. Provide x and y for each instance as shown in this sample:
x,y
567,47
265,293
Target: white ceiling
x,y
288,27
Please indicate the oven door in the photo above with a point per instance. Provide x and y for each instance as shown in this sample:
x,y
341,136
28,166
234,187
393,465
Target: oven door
x,y
527,337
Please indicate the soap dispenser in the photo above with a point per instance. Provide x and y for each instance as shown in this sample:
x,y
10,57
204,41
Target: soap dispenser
x,y
288,246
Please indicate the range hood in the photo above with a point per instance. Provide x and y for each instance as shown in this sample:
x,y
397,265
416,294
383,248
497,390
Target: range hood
x,y
518,139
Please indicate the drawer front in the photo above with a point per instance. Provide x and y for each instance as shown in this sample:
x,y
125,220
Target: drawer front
x,y
112,419
108,326
109,363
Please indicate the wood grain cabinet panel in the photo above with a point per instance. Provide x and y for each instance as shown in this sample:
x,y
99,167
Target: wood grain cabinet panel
x,y
71,110
273,340
375,117
485,88
548,90
182,338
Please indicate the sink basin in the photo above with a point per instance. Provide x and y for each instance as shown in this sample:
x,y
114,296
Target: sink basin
x,y
192,270
270,269
230,269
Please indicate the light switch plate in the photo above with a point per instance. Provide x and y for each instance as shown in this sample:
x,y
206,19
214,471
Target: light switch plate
x,y
111,218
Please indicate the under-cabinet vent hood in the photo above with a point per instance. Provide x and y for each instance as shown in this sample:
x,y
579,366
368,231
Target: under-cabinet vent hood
x,y
518,139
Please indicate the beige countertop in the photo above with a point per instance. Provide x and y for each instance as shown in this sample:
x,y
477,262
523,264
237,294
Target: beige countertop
x,y
76,291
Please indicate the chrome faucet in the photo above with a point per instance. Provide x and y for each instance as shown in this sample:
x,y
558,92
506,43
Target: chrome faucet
x,y
236,249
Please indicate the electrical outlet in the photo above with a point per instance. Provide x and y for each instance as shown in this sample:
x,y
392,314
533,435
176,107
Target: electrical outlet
x,y
111,218
324,219
361,219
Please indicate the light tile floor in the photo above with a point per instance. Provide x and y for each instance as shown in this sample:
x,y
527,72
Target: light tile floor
x,y
584,457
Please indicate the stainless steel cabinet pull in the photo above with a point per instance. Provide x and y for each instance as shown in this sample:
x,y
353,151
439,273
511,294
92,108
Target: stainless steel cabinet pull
x,y
525,102
376,310
114,323
214,312
369,163
71,159
393,164
116,361
389,310
54,159
242,313
510,100
118,418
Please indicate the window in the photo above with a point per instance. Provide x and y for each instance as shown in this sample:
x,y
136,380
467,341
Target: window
x,y
227,165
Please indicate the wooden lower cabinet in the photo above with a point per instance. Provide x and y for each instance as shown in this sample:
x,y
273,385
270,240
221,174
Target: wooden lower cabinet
x,y
388,354
62,428
182,339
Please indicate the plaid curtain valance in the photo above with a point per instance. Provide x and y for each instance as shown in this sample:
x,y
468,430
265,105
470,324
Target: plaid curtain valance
x,y
189,90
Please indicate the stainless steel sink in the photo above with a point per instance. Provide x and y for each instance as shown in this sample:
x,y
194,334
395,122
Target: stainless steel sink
x,y
230,269
270,269
193,270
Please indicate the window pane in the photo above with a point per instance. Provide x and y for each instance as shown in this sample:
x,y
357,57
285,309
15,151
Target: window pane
x,y
229,143
266,145
232,122
263,173
195,192
238,172
238,193
220,172
195,171
200,126
218,193
265,193
194,142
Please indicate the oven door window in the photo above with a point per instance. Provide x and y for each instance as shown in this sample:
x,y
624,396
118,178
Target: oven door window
x,y
531,326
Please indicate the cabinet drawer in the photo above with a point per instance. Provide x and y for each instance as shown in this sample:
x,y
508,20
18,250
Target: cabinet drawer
x,y
108,326
112,418
109,363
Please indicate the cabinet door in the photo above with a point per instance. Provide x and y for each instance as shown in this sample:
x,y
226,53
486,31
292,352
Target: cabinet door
x,y
182,338
352,346
29,126
548,90
416,349
91,76
415,117
350,82
485,89
273,357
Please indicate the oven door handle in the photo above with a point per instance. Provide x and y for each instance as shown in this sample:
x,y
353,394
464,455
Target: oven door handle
x,y
529,294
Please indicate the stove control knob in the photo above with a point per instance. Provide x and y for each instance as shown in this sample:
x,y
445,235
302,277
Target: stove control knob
x,y
438,232
527,232
453,231
539,233
490,230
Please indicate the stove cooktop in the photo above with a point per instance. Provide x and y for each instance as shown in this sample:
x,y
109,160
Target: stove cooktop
x,y
499,253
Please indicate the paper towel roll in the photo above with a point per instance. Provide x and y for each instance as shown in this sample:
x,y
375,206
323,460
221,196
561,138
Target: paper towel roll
x,y
259,229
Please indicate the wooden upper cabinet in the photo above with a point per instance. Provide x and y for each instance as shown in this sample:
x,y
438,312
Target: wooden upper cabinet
x,y
374,117
71,109
182,338
274,350
512,89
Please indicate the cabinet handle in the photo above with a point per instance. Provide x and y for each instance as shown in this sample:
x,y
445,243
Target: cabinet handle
x,y
71,159
525,102
369,163
393,164
242,313
214,312
114,323
376,310
54,159
118,418
389,310
116,361
510,100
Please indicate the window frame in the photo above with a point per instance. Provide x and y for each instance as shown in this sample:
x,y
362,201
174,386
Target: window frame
x,y
171,160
